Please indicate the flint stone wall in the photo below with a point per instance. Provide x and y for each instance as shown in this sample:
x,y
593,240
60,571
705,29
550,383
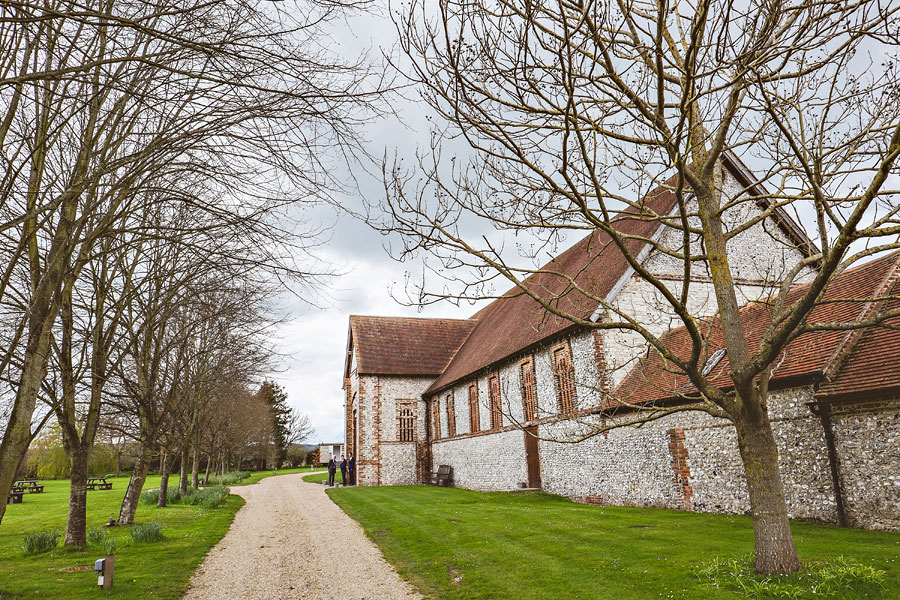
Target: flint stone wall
x,y
484,462
867,443
391,463
637,466
398,464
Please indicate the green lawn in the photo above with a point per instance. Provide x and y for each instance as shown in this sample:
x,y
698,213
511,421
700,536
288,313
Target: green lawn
x,y
158,570
453,543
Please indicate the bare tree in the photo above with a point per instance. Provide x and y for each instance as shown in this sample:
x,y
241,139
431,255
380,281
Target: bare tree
x,y
106,106
572,112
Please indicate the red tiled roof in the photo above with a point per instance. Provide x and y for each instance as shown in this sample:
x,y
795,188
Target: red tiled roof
x,y
406,346
805,357
874,363
516,321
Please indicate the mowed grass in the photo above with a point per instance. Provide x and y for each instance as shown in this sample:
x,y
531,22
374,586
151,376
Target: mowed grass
x,y
154,570
453,543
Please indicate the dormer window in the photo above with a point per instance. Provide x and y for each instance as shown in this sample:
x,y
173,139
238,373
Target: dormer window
x,y
713,360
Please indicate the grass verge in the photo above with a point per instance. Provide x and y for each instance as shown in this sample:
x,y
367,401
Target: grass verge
x,y
155,570
453,543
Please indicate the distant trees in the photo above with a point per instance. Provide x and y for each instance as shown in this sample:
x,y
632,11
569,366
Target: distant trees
x,y
288,426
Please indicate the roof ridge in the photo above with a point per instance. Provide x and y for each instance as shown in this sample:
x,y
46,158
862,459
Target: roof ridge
x,y
847,344
397,317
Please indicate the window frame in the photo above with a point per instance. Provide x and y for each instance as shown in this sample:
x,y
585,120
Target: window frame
x,y
474,412
494,398
451,416
406,424
436,418
564,383
528,388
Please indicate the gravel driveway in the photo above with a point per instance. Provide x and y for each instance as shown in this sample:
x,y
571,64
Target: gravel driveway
x,y
291,541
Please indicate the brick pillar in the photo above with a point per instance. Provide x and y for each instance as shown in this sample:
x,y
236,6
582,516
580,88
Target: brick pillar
x,y
363,459
376,435
348,418
600,363
682,478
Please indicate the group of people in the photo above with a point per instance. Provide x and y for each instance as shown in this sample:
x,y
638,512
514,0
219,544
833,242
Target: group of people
x,y
348,470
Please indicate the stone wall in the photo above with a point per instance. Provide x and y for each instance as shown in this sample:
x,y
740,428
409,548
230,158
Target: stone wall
x,y
691,460
381,459
367,452
484,462
643,302
398,464
685,461
867,443
717,476
629,467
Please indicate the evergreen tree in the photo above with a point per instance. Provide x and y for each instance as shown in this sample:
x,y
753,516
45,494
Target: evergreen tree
x,y
282,418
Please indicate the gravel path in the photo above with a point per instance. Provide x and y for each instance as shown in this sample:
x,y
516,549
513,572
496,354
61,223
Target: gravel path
x,y
291,541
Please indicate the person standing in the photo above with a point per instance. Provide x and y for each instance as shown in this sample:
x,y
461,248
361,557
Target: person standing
x,y
351,469
331,469
343,470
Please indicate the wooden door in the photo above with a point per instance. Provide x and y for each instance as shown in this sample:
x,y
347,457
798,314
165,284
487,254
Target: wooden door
x,y
532,457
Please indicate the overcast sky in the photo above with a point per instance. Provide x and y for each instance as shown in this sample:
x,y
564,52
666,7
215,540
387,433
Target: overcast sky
x,y
314,342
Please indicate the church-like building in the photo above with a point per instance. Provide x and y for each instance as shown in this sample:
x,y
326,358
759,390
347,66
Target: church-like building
x,y
501,396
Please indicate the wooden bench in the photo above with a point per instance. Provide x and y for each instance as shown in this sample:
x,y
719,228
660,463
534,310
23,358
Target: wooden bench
x,y
28,485
443,476
14,498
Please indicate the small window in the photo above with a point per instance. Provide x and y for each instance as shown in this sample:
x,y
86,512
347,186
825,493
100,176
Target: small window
x,y
713,360
406,420
529,388
474,419
494,397
451,416
564,377
436,418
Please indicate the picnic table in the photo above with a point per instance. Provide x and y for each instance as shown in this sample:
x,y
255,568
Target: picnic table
x,y
98,483
27,485
14,497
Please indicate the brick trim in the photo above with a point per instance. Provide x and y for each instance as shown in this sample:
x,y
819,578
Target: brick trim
x,y
376,403
600,363
680,468
361,459
348,417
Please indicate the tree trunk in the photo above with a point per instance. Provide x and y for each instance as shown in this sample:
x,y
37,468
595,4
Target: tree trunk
x,y
164,467
195,466
183,475
17,436
76,525
775,551
135,485
208,459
